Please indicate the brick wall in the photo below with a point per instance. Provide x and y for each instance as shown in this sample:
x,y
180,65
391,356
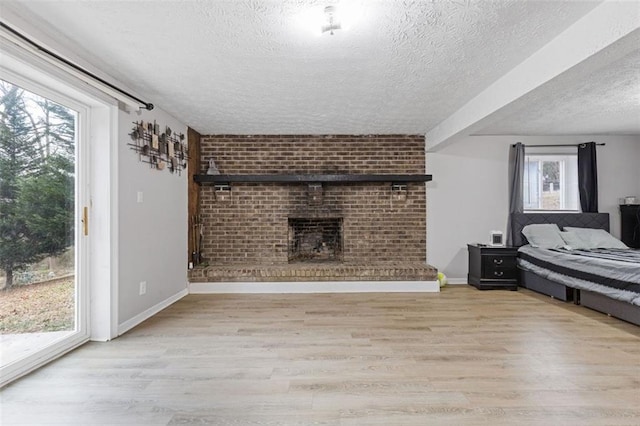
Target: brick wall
x,y
249,224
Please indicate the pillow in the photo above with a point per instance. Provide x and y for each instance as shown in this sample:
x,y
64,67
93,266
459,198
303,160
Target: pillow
x,y
597,238
573,241
544,235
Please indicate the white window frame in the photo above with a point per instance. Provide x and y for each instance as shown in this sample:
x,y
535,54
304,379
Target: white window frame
x,y
553,152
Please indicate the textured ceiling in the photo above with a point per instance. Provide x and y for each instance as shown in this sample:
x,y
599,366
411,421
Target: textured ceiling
x,y
587,100
252,67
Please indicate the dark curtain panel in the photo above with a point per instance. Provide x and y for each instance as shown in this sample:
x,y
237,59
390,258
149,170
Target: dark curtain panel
x,y
516,174
588,177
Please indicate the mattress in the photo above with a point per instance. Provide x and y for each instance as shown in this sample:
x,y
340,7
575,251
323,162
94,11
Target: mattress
x,y
615,273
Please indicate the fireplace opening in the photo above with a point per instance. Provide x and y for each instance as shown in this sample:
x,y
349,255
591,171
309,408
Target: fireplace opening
x,y
315,240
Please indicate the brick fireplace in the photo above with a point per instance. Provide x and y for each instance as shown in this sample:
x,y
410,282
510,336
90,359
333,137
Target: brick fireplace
x,y
308,231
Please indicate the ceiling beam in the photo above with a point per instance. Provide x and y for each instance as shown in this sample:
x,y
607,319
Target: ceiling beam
x,y
605,25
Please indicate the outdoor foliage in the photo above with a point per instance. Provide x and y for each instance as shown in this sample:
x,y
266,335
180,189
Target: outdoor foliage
x,y
36,178
38,308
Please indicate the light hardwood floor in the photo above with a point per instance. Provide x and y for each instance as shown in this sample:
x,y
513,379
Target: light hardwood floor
x,y
461,357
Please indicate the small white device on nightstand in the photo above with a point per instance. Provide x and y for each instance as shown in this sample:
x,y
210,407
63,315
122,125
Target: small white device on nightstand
x,y
496,239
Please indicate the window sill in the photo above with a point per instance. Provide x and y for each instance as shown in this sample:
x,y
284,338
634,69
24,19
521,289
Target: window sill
x,y
550,211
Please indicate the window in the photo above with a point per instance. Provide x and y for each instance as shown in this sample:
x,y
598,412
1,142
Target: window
x,y
551,182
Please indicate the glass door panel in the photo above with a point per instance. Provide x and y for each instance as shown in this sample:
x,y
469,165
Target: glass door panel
x,y
39,253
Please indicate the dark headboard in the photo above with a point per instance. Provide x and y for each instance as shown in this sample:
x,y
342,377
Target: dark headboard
x,y
577,220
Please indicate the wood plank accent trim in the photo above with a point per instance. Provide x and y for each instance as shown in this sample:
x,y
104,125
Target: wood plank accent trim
x,y
193,138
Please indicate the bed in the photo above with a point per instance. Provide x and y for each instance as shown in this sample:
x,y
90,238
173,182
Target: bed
x,y
582,278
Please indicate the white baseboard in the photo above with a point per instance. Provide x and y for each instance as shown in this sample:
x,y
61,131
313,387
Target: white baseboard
x,y
456,281
129,324
316,287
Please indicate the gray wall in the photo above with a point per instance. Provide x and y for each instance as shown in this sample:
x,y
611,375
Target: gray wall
x,y
152,243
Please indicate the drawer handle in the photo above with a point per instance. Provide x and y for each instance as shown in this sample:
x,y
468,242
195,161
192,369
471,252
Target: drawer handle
x,y
498,261
498,273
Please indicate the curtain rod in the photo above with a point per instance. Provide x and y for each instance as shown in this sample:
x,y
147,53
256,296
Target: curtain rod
x,y
146,105
563,146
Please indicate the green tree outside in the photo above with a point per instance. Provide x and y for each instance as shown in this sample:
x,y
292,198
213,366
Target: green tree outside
x,y
36,179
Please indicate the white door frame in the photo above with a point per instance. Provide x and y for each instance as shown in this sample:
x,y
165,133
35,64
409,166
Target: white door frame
x,y
96,183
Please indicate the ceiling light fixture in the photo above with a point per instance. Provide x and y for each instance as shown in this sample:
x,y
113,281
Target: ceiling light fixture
x,y
331,20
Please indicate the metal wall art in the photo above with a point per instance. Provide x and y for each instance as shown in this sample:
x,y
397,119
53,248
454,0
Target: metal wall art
x,y
159,150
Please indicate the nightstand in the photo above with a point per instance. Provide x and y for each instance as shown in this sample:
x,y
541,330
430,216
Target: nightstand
x,y
492,267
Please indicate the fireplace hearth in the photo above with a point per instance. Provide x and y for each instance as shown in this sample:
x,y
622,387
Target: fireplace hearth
x,y
315,240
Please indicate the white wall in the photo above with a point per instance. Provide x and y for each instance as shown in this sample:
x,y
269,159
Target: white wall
x,y
152,244
468,196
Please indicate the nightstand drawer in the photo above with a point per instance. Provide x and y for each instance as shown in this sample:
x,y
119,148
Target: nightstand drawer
x,y
501,267
500,273
499,260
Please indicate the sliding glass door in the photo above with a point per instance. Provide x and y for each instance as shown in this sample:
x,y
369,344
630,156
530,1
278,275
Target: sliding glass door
x,y
43,301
